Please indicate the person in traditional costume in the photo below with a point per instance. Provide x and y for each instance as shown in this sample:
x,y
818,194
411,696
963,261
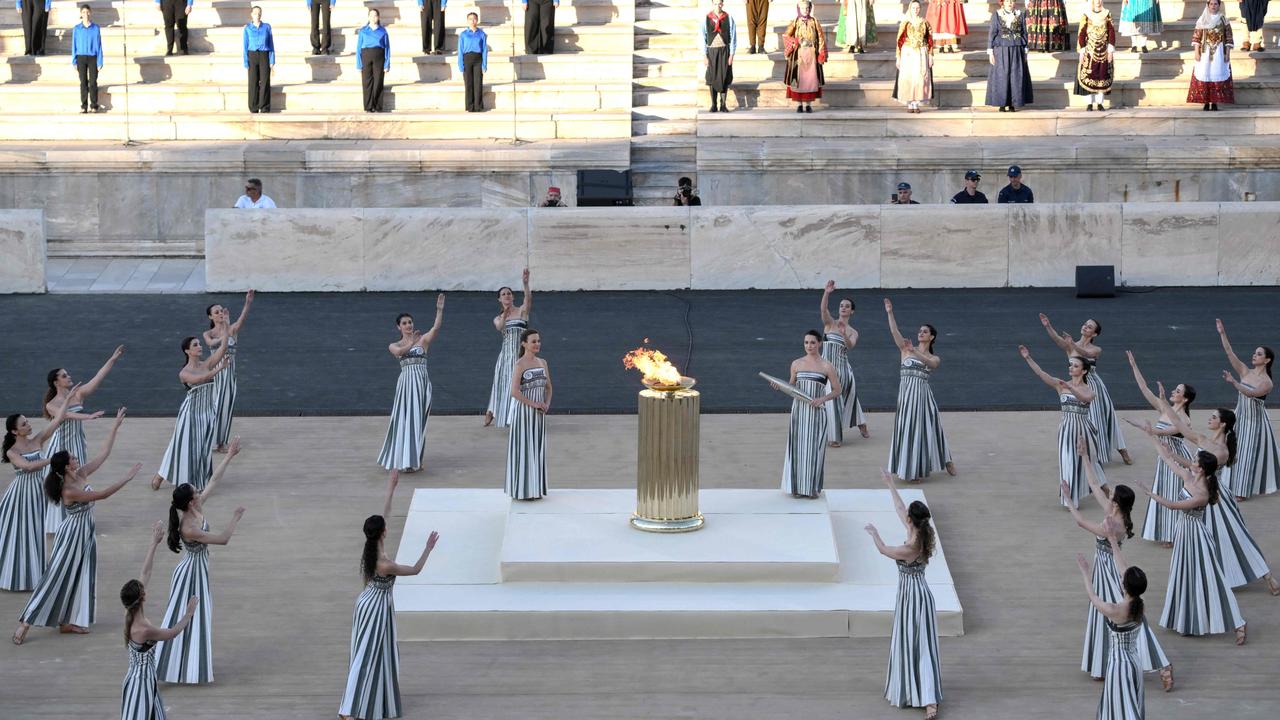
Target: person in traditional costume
x,y
946,20
1140,19
719,41
1096,42
1254,12
856,29
1211,75
1047,27
805,47
1009,83
914,83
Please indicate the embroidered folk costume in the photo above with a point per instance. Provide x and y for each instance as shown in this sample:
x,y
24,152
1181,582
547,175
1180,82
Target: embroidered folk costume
x,y
856,29
805,47
719,40
1047,28
1211,75
1096,41
1009,84
914,83
946,20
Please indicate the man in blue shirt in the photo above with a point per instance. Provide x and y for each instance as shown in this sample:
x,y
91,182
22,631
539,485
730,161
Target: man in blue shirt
x,y
539,26
1015,191
175,14
320,10
35,24
373,60
473,60
259,58
432,26
86,55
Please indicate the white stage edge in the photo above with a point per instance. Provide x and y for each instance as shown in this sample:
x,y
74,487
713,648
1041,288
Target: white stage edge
x,y
569,566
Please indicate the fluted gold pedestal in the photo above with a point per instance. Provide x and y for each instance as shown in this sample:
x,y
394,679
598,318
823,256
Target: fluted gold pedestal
x,y
667,462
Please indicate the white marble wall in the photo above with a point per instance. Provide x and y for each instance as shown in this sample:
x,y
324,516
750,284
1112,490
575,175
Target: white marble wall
x,y
737,247
22,247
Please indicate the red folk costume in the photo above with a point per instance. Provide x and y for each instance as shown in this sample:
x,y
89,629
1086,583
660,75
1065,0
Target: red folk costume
x,y
805,47
946,18
1211,74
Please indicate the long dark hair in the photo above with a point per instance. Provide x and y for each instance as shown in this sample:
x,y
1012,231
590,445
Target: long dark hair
x,y
1135,583
1188,395
57,476
1209,465
186,345
1097,327
131,596
374,527
933,331
918,514
1228,420
182,497
208,312
1123,497
51,393
1085,364
10,435
525,335
1271,358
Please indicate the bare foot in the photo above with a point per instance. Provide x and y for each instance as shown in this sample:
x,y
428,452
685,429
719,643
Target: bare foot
x,y
1166,677
1124,455
951,469
488,419
1166,545
155,482
833,444
865,432
930,712
1273,587
1241,634
73,630
20,634
410,470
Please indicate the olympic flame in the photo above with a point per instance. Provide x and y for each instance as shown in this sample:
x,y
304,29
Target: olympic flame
x,y
653,364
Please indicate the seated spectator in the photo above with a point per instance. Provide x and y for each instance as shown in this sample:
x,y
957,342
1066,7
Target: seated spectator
x,y
553,198
904,195
970,194
253,197
1015,191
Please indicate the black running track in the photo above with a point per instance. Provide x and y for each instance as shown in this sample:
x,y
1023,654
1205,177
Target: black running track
x,y
325,354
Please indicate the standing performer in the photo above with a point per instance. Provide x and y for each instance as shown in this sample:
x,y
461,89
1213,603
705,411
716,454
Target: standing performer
x,y
1254,12
914,678
175,14
373,680
373,60
222,330
259,58
918,446
946,20
321,39
139,698
67,594
22,510
407,430
1123,695
189,456
719,39
856,28
69,435
1211,75
1074,397
805,48
839,338
432,13
539,26
530,401
1047,28
804,465
1102,412
1257,467
188,658
1096,44
1160,521
1138,19
1198,600
914,81
1109,535
1009,83
510,322
86,56
473,61
35,24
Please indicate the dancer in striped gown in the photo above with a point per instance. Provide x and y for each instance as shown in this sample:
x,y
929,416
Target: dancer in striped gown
x,y
1123,695
1159,523
1198,600
510,323
1109,535
918,446
1102,412
139,698
839,338
373,678
914,678
66,596
22,510
1074,397
407,429
1257,468
70,435
221,330
188,658
189,455
805,461
527,441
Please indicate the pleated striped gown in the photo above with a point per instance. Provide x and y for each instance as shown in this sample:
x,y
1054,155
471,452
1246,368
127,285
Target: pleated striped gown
x,y
918,446
373,680
1257,467
1198,600
1102,412
527,441
1242,560
844,411
224,396
1160,520
189,455
188,658
67,594
805,462
22,514
68,436
914,678
139,698
1097,639
1075,421
1123,695
500,393
407,429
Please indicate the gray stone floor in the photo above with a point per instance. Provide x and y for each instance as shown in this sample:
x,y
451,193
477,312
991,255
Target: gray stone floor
x,y
125,275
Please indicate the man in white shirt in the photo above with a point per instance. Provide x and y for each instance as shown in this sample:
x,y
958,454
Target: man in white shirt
x,y
253,197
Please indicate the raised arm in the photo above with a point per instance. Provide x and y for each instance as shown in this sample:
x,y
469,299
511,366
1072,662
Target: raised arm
x,y
1260,390
1115,611
429,336
1064,343
155,634
92,466
59,414
823,309
25,465
203,536
88,388
1091,473
1045,377
1180,422
244,312
1236,363
898,506
398,569
894,552
157,535
893,323
526,300
233,449
212,368
1142,382
393,479
78,495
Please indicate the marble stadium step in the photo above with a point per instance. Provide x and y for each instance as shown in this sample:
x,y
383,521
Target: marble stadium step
x,y
199,127
669,122
1245,125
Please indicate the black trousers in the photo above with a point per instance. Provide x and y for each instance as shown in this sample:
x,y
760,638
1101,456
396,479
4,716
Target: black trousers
x,y
539,27
320,11
35,25
473,77
432,26
87,66
259,81
175,16
371,77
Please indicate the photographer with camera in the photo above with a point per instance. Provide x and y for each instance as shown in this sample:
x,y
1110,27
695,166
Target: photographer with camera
x,y
685,193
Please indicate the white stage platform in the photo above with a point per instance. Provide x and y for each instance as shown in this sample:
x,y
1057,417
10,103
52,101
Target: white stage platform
x,y
570,566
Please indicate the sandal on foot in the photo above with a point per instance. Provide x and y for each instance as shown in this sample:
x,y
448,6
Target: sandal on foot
x,y
931,712
1166,677
951,469
1273,587
865,432
1242,634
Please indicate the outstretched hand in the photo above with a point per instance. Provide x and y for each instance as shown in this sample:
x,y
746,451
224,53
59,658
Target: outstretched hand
x,y
157,533
1024,352
1082,446
871,530
133,472
191,605
888,305
830,286
440,301
432,539
1226,375
1222,330
887,477
524,276
118,352
1084,565
233,448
